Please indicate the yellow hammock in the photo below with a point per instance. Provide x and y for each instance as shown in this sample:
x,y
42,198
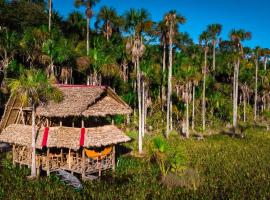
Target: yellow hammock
x,y
95,155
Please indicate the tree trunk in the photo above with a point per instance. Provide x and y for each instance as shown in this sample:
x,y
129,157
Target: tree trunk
x,y
33,165
163,73
214,55
50,14
169,84
187,117
204,80
139,104
235,99
244,94
143,107
87,35
193,107
256,89
107,30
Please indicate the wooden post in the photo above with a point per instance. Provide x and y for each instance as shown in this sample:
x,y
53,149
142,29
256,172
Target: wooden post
x,y
61,153
38,167
113,159
61,122
83,164
47,122
82,123
69,159
13,154
73,124
48,162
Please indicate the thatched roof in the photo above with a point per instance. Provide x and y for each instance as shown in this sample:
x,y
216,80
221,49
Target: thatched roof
x,y
85,101
64,137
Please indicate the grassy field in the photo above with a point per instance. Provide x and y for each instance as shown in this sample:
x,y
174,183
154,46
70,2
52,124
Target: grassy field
x,y
219,167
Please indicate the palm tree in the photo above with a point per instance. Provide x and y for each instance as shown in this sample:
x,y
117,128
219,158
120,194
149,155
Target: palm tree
x,y
237,37
110,20
76,24
163,33
171,19
89,14
136,48
266,54
137,21
214,30
33,87
204,40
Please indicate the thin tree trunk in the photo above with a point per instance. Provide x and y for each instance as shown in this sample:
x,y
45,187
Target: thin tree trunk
x,y
214,55
107,30
235,106
187,116
204,80
87,35
169,84
244,106
139,104
33,165
193,107
143,107
256,89
163,73
50,14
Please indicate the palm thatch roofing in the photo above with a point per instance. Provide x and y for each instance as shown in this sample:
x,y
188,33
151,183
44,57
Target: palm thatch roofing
x,y
81,100
64,137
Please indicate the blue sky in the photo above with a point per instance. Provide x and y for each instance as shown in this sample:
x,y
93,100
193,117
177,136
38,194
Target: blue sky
x,y
251,15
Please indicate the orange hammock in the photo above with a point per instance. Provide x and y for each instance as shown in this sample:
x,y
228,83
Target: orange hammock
x,y
95,155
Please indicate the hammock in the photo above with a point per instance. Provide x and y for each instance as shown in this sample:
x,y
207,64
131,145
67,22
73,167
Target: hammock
x,y
98,155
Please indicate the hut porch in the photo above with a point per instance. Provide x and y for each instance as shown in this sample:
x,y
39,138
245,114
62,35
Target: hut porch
x,y
63,148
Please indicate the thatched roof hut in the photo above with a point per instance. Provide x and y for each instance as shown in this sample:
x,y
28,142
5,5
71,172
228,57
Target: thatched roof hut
x,y
81,100
64,137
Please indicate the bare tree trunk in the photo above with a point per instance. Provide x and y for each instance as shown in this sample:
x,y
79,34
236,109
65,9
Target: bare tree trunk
x,y
139,104
244,94
256,89
214,55
87,35
169,84
204,80
33,165
50,14
163,72
187,115
235,100
193,107
265,62
143,107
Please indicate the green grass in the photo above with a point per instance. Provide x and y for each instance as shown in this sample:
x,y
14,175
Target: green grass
x,y
228,168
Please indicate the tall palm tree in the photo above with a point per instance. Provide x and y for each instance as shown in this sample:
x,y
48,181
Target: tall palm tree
x,y
204,40
237,37
136,48
163,33
89,14
110,20
33,87
172,20
214,30
137,21
266,54
76,24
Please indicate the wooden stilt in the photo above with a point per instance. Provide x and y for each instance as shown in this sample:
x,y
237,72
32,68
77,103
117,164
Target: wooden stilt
x,y
13,154
48,162
69,159
61,122
113,159
83,164
61,153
